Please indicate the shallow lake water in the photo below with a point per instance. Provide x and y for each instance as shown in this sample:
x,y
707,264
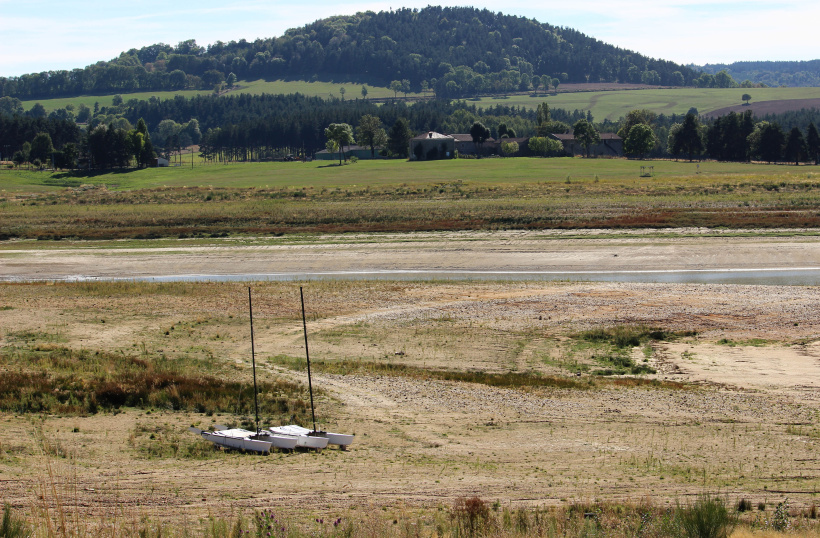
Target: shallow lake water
x,y
807,276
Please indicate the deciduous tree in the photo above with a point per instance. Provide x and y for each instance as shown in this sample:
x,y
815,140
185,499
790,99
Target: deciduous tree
x,y
370,133
41,148
342,134
640,140
543,146
586,134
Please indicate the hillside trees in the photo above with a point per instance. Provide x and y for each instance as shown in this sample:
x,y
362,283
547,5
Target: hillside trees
x,y
497,52
10,106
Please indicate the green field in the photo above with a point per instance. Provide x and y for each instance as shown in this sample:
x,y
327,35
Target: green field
x,y
611,104
380,174
615,104
254,87
319,88
401,196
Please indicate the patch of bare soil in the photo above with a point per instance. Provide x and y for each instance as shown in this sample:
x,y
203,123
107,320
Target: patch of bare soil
x,y
513,251
744,426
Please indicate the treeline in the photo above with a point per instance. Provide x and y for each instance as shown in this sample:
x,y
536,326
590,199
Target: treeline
x,y
247,127
455,51
16,131
782,73
741,137
296,120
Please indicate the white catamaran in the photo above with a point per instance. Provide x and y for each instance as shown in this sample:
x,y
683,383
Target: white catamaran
x,y
282,437
305,437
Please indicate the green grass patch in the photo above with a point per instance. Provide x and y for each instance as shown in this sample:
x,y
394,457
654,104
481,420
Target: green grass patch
x,y
506,379
65,381
751,342
519,380
628,336
399,196
323,89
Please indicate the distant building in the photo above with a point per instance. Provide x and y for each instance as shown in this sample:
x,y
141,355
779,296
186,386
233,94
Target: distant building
x,y
432,146
611,145
523,146
466,146
360,152
159,162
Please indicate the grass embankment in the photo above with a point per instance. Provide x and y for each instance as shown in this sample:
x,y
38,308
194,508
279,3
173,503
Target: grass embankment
x,y
398,196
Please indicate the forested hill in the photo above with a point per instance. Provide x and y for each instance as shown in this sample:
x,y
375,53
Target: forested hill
x,y
805,73
454,51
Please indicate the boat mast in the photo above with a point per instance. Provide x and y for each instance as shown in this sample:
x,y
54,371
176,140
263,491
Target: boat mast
x,y
307,354
253,362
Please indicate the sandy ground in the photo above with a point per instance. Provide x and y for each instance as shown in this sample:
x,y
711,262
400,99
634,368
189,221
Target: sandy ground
x,y
468,251
747,427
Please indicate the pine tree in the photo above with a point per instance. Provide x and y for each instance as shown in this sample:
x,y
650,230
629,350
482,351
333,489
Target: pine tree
x,y
813,142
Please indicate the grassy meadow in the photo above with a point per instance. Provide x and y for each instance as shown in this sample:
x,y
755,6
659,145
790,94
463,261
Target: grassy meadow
x,y
609,104
401,196
254,87
615,104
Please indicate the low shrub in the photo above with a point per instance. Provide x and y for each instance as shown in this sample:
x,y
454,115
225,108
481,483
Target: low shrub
x,y
626,336
11,526
707,518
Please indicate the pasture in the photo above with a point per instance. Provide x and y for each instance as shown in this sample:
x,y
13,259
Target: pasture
x,y
609,104
400,196
326,90
615,104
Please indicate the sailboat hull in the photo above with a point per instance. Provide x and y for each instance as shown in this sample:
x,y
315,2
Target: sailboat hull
x,y
237,439
303,440
341,439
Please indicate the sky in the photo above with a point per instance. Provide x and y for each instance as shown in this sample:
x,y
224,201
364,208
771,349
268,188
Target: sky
x,y
43,35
